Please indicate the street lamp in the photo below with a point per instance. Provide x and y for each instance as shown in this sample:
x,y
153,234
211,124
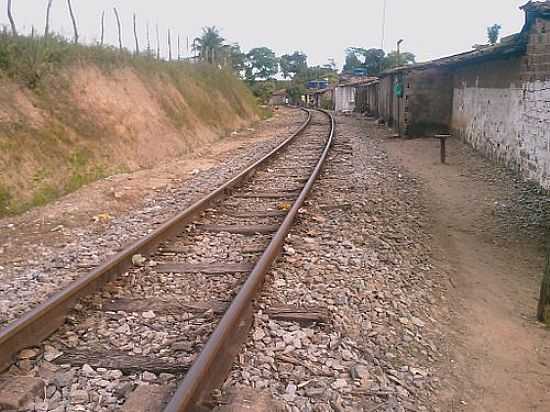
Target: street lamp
x,y
398,52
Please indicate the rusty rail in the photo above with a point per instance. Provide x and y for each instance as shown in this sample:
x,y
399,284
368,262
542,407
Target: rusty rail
x,y
46,318
208,370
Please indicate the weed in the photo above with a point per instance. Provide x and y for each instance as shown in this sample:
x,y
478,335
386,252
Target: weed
x,y
5,200
43,195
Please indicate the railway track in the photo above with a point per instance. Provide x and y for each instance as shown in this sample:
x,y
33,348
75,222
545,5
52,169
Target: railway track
x,y
178,304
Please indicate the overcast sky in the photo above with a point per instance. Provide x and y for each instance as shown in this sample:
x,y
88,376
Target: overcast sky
x,y
322,29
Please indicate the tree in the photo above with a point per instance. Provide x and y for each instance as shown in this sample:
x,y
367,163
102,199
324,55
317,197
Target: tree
x,y
293,63
209,45
493,32
237,58
374,61
370,59
352,61
261,63
405,58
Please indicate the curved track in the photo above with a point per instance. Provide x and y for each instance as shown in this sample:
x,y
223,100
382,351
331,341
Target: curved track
x,y
259,207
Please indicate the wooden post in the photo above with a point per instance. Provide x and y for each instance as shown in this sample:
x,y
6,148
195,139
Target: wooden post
x,y
102,28
443,151
12,22
543,310
73,19
169,46
136,36
119,28
148,40
48,9
179,48
158,43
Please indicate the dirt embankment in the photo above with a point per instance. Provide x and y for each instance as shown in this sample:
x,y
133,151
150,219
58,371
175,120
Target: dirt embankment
x,y
87,122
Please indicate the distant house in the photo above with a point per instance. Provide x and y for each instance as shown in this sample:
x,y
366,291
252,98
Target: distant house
x,y
345,94
278,98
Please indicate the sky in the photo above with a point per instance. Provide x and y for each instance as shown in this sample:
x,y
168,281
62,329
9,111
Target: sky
x,y
323,30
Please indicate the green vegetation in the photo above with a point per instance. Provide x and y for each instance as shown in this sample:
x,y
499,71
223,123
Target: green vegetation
x,y
5,200
67,147
375,61
493,32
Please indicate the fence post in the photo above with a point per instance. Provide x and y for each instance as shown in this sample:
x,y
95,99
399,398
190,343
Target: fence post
x,y
158,43
48,9
169,46
119,28
148,41
73,19
12,22
102,28
136,36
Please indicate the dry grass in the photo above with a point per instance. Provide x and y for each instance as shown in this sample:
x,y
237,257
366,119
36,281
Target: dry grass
x,y
72,114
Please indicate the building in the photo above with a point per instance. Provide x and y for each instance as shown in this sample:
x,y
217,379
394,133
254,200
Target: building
x,y
344,95
278,98
496,97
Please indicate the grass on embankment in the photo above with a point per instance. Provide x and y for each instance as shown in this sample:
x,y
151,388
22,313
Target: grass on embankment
x,y
71,114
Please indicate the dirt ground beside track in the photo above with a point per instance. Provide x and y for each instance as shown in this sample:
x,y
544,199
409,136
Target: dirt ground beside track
x,y
488,230
99,202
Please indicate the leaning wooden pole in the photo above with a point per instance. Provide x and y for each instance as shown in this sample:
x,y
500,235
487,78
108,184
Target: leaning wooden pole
x,y
543,310
136,35
158,43
169,46
12,22
48,10
148,40
119,28
73,19
102,28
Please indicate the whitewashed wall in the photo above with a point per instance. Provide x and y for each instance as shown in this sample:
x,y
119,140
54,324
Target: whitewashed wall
x,y
511,125
344,99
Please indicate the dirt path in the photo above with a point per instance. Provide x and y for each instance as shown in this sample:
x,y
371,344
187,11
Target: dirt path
x,y
499,354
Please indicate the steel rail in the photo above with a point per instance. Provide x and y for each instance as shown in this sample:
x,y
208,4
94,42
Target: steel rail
x,y
40,322
196,385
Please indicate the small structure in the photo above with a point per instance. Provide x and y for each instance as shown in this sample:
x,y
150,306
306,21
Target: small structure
x,y
279,98
321,99
345,94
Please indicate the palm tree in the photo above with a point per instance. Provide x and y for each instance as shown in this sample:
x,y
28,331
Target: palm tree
x,y
209,45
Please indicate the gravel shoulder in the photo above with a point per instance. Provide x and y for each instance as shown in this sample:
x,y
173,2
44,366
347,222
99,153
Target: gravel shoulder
x,y
361,254
48,247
